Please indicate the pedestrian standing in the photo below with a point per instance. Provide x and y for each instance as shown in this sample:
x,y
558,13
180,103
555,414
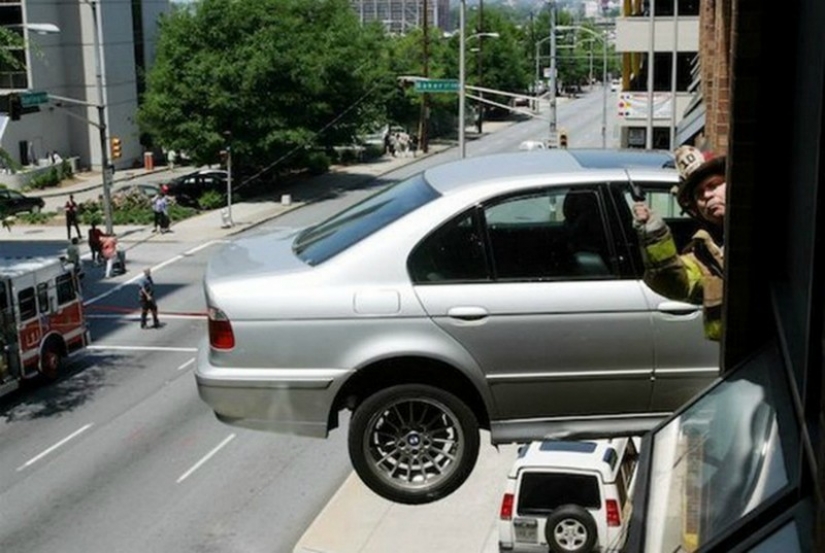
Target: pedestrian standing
x,y
71,217
160,207
73,254
146,296
95,235
696,274
108,247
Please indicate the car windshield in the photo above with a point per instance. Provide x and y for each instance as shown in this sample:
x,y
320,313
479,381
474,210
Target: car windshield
x,y
328,238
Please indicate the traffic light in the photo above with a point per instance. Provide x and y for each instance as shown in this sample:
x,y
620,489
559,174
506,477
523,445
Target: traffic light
x,y
15,108
116,151
562,139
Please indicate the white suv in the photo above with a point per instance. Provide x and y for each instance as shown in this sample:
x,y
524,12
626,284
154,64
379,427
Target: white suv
x,y
568,497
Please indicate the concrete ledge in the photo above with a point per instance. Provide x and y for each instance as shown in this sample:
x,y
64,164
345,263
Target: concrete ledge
x,y
20,179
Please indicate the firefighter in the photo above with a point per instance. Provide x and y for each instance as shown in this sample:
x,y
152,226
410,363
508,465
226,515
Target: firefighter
x,y
696,274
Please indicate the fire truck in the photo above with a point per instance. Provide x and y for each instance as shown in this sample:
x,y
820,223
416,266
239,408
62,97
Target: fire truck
x,y
42,319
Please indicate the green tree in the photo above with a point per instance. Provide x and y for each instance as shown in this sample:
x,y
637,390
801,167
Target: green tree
x,y
284,77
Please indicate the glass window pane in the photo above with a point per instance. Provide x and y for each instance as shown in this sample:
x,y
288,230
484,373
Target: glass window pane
x,y
719,459
43,297
319,243
543,492
27,304
453,253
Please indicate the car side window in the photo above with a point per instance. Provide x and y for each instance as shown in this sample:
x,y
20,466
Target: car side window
x,y
453,253
552,234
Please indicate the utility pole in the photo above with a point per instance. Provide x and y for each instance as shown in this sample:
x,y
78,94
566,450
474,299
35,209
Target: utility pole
x,y
229,222
101,119
462,80
480,32
424,116
553,137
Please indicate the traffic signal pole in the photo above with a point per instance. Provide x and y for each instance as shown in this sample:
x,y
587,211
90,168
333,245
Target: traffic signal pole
x,y
101,118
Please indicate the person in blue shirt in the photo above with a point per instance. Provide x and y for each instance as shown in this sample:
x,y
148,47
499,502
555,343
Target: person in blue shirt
x,y
147,299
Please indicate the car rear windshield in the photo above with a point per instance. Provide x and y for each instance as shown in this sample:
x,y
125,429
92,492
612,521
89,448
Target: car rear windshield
x,y
328,238
541,492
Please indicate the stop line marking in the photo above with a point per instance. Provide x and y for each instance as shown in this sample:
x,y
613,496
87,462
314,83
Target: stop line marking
x,y
141,348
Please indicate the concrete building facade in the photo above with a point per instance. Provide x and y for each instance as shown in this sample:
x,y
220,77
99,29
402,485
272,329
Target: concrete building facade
x,y
64,65
664,42
399,16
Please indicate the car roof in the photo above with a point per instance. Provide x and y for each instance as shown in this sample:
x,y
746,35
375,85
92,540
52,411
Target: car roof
x,y
600,456
458,175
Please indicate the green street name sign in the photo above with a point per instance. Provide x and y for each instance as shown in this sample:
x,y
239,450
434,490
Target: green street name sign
x,y
436,85
31,99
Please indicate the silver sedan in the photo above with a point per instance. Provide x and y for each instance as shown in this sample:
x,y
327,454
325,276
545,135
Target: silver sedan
x,y
499,292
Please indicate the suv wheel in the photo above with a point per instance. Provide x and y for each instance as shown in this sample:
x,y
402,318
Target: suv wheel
x,y
413,443
570,529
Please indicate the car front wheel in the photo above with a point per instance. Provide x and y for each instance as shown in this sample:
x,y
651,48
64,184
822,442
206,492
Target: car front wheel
x,y
413,443
570,529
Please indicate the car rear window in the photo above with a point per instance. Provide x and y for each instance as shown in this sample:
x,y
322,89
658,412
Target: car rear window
x,y
334,235
541,492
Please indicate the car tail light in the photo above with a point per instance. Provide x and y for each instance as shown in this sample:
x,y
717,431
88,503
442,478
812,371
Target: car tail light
x,y
220,330
506,507
614,518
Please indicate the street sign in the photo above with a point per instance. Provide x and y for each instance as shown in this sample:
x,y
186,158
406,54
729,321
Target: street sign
x,y
436,85
33,98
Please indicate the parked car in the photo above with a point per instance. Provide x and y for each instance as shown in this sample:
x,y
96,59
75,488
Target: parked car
x,y
188,189
615,85
500,292
148,189
532,145
13,202
568,497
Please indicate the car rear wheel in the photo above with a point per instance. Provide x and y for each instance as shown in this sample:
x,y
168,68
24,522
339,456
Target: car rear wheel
x,y
413,443
570,529
35,209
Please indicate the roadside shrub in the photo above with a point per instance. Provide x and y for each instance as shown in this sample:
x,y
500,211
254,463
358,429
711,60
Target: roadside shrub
x,y
36,218
45,180
317,163
211,200
132,208
8,162
54,176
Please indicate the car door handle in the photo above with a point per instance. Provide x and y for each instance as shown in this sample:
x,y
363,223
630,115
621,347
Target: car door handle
x,y
468,313
678,308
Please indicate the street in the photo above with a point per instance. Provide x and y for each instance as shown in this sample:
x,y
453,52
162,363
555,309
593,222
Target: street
x,y
122,455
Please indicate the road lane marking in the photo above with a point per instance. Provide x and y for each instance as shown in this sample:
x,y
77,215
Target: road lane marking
x,y
205,458
156,267
55,446
136,316
141,348
186,364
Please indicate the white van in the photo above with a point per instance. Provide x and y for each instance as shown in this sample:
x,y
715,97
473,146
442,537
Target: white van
x,y
568,497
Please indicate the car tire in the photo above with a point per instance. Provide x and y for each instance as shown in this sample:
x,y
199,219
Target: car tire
x,y
413,443
36,209
570,529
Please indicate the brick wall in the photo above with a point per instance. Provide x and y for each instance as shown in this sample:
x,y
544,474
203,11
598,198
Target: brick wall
x,y
714,53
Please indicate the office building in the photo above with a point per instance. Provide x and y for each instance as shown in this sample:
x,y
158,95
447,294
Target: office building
x,y
63,64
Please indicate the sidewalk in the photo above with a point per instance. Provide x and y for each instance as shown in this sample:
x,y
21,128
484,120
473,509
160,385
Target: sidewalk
x,y
211,225
356,520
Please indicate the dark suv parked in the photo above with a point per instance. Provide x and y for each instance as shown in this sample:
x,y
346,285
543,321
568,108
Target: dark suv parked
x,y
13,202
187,189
